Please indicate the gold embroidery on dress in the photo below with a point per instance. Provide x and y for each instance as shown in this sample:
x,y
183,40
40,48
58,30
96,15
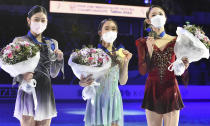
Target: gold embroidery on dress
x,y
161,60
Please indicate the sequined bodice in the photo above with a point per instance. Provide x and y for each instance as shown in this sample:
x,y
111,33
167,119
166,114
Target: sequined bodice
x,y
160,61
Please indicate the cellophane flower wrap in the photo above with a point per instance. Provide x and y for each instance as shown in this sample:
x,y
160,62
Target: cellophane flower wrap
x,y
90,61
20,57
191,43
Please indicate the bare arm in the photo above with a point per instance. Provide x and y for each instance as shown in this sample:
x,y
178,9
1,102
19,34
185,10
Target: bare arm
x,y
124,67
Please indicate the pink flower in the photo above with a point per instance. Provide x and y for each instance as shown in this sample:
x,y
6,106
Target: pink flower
x,y
107,58
26,44
93,51
205,39
10,56
100,60
90,58
8,47
17,47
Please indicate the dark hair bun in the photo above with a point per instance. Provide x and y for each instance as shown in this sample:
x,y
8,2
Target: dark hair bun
x,y
104,21
36,9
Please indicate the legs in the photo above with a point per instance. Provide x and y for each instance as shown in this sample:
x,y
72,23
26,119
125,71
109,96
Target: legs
x,y
29,121
44,122
114,124
153,118
171,118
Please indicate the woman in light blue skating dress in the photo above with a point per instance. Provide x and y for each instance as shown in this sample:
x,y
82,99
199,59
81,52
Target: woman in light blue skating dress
x,y
107,109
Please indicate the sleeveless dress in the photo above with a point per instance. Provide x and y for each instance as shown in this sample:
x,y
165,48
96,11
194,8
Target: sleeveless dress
x,y
162,93
46,108
108,106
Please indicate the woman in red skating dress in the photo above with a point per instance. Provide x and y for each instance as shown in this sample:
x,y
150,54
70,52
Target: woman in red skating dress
x,y
162,99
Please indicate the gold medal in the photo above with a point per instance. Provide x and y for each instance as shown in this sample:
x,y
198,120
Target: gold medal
x,y
120,53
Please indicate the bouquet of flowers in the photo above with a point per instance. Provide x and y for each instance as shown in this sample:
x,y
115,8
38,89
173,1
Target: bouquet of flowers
x,y
191,43
90,61
20,57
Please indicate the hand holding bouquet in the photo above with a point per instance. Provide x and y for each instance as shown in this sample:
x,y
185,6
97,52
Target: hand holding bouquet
x,y
191,43
90,61
20,57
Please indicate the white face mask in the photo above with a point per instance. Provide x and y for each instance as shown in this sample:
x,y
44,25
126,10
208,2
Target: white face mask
x,y
109,37
158,21
38,27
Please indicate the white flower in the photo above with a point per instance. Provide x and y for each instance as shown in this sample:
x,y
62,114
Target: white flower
x,y
90,56
25,42
84,52
199,35
7,51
